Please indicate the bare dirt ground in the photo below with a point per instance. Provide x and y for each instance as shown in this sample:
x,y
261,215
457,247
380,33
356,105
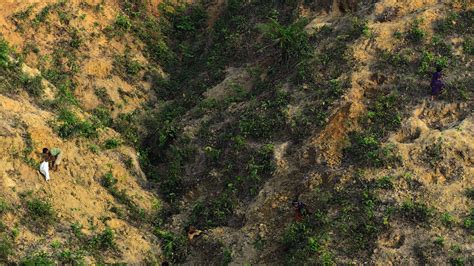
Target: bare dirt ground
x,y
78,197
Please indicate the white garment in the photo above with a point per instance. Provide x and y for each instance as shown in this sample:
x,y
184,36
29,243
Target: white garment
x,y
44,169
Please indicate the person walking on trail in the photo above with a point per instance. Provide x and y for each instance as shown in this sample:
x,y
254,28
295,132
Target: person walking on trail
x,y
300,210
437,84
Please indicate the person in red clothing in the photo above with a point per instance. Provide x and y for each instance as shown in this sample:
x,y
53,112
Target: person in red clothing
x,y
300,210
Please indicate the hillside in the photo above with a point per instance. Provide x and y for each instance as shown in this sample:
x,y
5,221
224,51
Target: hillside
x,y
216,115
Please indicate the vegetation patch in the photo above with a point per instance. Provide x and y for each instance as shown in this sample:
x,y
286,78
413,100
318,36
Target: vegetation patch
x,y
174,246
69,125
416,212
135,213
352,217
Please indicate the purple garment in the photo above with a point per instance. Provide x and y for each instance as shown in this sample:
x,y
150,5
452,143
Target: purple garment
x,y
436,83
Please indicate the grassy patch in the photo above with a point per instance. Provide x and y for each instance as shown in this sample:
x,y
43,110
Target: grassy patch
x,y
127,67
174,246
447,220
33,86
212,213
383,115
103,241
6,248
69,125
103,115
291,41
135,213
40,258
468,46
4,53
103,95
366,150
3,206
415,33
122,23
351,217
469,221
469,193
40,210
112,143
416,212
385,182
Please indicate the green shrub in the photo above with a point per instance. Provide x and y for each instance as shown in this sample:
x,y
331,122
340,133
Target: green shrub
x,y
359,27
383,116
385,182
186,19
6,249
434,152
469,193
173,246
267,119
103,115
112,143
103,95
212,153
468,46
108,180
447,220
303,123
4,52
136,214
292,41
457,261
71,257
336,88
214,212
226,257
428,60
126,124
69,125
94,148
3,206
33,86
469,221
23,14
104,240
441,47
366,150
416,34
65,96
439,241
127,67
77,229
448,24
396,59
122,22
40,210
41,258
43,15
416,212
302,245
456,22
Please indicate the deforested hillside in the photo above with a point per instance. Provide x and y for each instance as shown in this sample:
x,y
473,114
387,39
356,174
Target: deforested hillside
x,y
237,132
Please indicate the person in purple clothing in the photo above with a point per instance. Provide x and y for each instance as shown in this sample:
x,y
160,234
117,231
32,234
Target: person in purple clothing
x,y
437,84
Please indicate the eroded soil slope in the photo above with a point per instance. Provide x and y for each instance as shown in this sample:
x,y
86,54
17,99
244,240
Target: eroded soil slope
x,y
214,116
